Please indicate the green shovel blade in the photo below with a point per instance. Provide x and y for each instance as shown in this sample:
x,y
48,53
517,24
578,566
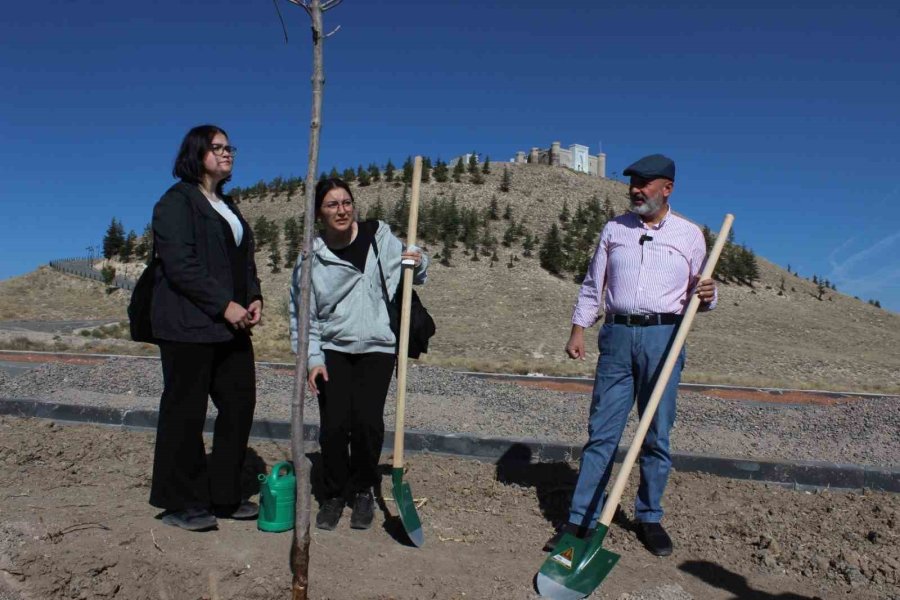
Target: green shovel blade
x,y
575,567
404,499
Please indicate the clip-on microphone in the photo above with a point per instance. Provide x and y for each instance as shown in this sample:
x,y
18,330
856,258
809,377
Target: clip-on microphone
x,y
645,238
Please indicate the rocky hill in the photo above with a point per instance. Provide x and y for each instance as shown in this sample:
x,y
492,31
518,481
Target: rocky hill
x,y
512,315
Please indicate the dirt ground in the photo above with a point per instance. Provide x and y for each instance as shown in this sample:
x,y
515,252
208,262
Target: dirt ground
x,y
75,524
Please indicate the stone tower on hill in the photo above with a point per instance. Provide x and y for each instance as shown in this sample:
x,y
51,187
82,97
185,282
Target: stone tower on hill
x,y
575,157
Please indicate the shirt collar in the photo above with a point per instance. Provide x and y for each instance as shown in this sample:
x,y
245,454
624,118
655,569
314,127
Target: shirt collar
x,y
658,225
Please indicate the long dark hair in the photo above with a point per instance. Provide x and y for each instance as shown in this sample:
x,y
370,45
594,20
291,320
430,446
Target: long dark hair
x,y
189,162
326,185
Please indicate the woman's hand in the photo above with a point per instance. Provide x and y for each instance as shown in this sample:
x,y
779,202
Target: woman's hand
x,y
314,373
414,254
237,315
255,312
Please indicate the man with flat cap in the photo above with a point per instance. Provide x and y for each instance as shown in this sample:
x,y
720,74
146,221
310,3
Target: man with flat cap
x,y
648,261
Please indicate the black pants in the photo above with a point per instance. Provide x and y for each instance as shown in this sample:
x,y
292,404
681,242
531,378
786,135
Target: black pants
x,y
192,373
351,409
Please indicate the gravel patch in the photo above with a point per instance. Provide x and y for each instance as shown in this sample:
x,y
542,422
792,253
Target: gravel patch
x,y
859,431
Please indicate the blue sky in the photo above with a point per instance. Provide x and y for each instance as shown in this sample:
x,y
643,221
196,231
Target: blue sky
x,y
786,114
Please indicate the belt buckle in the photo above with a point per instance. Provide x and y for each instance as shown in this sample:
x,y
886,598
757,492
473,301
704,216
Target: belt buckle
x,y
636,320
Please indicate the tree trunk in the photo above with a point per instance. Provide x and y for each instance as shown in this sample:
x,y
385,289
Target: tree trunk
x,y
300,545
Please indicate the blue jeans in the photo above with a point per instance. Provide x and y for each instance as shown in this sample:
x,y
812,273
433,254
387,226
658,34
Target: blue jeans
x,y
630,361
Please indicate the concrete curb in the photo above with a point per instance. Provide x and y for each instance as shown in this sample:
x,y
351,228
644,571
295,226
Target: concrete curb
x,y
800,474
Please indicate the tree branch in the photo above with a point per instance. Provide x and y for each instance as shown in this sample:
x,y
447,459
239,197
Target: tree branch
x,y
333,31
330,4
280,18
302,4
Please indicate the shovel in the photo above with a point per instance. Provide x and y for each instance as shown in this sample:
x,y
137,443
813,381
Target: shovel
x,y
402,493
577,566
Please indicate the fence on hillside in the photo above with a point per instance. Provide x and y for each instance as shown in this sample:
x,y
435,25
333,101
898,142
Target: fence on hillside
x,y
83,267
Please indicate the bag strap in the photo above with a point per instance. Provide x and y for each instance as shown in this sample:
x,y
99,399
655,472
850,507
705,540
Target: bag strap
x,y
384,292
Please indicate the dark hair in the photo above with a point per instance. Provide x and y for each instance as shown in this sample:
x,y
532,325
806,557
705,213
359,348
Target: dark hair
x,y
189,162
326,185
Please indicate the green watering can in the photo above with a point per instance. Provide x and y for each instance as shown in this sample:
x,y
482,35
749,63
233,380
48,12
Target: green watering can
x,y
276,498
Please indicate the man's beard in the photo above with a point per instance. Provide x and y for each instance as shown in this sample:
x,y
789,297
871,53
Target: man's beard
x,y
651,205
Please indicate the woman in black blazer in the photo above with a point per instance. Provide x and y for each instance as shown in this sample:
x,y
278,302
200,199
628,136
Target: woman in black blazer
x,y
206,299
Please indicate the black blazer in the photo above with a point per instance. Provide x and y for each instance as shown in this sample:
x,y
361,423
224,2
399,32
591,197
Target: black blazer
x,y
194,284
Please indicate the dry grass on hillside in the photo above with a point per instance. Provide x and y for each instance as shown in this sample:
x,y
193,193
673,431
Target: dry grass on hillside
x,y
46,294
517,319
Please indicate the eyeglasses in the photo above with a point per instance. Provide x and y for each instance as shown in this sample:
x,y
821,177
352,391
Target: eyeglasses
x,y
345,204
221,149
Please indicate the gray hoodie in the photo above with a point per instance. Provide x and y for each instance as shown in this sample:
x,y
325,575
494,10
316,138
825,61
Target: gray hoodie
x,y
347,310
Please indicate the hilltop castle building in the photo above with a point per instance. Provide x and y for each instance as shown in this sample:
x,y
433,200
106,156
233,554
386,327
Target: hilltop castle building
x,y
575,157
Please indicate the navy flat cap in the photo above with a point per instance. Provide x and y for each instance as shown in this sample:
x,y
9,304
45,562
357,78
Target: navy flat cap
x,y
652,167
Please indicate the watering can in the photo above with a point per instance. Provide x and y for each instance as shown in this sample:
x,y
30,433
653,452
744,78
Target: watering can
x,y
276,498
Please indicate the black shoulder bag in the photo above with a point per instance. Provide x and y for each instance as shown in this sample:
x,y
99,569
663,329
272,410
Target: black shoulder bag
x,y
421,325
141,299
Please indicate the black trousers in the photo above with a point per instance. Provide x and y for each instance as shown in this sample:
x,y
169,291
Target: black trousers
x,y
351,411
192,373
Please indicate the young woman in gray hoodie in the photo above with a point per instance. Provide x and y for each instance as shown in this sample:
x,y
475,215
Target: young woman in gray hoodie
x,y
351,346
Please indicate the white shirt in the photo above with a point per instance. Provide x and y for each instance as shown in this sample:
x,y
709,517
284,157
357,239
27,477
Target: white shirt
x,y
236,228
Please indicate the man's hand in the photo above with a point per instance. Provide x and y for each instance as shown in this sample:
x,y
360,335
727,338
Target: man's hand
x,y
575,345
706,289
313,375
237,316
255,310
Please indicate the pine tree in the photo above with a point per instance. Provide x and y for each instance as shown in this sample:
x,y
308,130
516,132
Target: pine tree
x,y
564,214
509,236
608,209
333,174
407,171
458,170
477,178
363,177
127,249
274,255
377,212
507,212
473,163
262,231
142,248
348,175
486,167
446,253
708,238
441,172
292,242
426,169
528,245
114,239
551,254
494,210
108,273
506,180
374,173
389,171
820,289
399,218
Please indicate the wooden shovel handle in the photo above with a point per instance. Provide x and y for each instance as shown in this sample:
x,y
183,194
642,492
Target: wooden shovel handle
x,y
403,342
609,509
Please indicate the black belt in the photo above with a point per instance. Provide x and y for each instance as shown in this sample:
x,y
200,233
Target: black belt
x,y
644,320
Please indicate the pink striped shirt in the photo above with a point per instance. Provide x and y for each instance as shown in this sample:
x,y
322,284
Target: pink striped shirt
x,y
652,277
